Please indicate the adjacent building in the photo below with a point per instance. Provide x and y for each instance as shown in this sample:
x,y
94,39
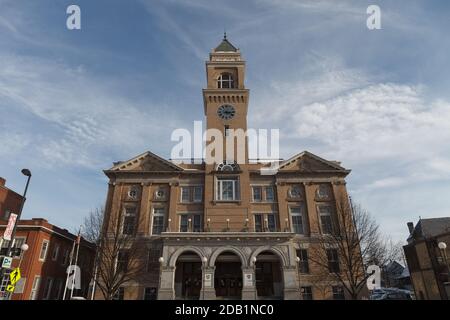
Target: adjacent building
x,y
43,266
224,229
10,201
428,263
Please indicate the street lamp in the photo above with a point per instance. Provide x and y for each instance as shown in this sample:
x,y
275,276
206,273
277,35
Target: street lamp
x,y
26,173
443,246
204,260
297,259
254,276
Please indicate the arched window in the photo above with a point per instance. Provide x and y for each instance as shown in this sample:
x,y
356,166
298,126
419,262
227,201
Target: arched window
x,y
225,81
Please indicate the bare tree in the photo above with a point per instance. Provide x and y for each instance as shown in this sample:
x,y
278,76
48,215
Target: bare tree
x,y
120,255
354,243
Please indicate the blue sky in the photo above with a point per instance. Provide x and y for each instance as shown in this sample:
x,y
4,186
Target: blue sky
x,y
72,102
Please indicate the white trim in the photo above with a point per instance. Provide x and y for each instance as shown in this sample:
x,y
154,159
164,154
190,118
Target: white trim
x,y
36,285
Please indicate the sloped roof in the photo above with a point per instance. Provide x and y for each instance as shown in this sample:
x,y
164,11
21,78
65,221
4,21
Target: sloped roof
x,y
333,165
432,227
225,46
124,165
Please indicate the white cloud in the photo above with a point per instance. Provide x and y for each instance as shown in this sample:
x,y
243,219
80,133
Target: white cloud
x,y
77,119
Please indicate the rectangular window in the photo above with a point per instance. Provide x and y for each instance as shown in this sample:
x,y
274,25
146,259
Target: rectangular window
x,y
306,293
184,223
55,252
325,219
227,189
158,220
44,250
257,194
59,288
35,288
333,261
122,261
197,223
258,223
185,194
269,194
338,293
154,253
198,194
271,224
119,294
297,220
150,293
48,288
129,221
303,264
15,249
65,259
5,281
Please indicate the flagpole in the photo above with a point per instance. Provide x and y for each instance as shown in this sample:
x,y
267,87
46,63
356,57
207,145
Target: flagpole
x,y
76,264
70,263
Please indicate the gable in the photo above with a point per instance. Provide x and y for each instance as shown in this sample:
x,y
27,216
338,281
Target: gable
x,y
308,162
146,162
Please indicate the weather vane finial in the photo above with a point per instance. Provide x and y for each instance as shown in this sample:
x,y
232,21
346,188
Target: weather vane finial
x,y
224,34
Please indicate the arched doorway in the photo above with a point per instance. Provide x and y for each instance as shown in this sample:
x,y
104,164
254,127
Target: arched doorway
x,y
188,276
269,278
228,276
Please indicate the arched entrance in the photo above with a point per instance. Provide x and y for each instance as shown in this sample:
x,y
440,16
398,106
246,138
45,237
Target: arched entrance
x,y
269,277
188,276
228,276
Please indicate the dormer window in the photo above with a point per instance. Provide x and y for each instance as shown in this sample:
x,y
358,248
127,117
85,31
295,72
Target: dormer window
x,y
225,81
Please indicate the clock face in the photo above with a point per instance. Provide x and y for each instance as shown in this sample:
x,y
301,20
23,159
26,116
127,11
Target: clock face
x,y
226,112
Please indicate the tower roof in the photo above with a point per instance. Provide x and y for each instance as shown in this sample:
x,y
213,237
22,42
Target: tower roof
x,y
225,45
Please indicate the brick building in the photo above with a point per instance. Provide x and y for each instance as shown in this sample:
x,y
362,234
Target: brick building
x,y
220,230
43,265
427,263
9,200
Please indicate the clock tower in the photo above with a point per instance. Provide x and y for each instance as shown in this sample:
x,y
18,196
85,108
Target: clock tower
x,y
225,106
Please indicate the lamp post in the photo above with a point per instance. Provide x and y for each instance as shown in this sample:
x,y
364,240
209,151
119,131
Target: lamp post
x,y
161,262
443,246
26,173
297,259
204,260
254,276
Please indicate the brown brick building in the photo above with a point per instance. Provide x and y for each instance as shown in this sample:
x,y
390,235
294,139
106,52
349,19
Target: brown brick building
x,y
223,229
427,263
43,265
9,200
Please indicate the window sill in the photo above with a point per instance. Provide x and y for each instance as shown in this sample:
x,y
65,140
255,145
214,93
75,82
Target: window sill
x,y
226,201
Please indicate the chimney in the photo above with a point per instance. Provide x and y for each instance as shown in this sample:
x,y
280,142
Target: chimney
x,y
410,227
2,181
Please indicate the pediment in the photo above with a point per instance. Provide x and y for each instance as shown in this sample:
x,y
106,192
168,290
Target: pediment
x,y
147,161
308,162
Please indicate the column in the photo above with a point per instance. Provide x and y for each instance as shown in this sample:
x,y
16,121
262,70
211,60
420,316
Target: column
x,y
248,284
166,283
208,291
291,284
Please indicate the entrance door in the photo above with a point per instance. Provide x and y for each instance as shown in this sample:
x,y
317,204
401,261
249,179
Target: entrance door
x,y
191,280
228,280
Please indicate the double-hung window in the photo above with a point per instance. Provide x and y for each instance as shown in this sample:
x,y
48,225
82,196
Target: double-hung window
x,y
158,220
333,260
227,189
190,223
265,222
129,220
257,194
269,194
326,221
297,220
303,264
44,249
